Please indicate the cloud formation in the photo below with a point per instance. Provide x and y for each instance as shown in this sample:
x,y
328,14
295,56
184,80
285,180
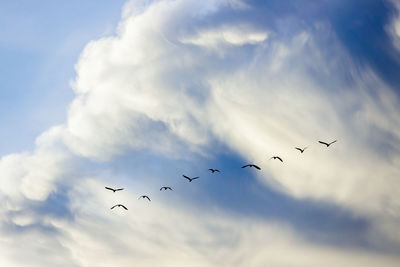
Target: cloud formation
x,y
179,76
154,86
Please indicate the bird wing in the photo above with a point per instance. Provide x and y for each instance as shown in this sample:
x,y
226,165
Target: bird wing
x,y
186,177
194,178
147,198
161,188
323,143
119,189
279,159
332,142
113,206
169,188
124,207
211,170
109,188
301,150
255,166
246,166
217,170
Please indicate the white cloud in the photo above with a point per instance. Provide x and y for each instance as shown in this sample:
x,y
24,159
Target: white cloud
x,y
138,90
33,175
163,233
154,86
394,26
236,35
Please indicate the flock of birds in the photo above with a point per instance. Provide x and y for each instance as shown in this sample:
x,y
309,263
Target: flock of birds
x,y
190,179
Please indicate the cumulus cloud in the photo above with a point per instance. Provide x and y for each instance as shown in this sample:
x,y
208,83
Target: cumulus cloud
x,y
156,234
172,83
150,87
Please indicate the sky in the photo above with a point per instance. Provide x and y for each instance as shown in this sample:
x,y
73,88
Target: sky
x,y
134,94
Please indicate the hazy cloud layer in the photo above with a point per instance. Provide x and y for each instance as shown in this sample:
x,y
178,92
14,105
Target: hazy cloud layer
x,y
177,77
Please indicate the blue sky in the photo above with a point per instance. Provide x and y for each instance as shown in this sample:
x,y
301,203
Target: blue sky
x,y
39,46
135,94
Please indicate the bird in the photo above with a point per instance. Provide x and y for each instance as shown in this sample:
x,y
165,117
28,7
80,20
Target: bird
x,y
144,197
165,188
327,144
276,157
251,165
114,190
301,150
213,170
190,179
119,205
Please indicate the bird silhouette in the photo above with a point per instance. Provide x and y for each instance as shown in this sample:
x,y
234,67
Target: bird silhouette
x,y
114,190
190,179
276,157
119,205
301,150
327,144
165,188
213,170
251,165
144,197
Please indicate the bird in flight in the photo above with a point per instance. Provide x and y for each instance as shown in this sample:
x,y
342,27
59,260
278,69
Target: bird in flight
x,y
119,205
276,157
165,188
327,144
301,150
114,190
190,179
251,165
213,170
144,197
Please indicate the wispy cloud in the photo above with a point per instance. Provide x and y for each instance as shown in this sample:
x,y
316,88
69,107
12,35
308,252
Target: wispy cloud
x,y
177,77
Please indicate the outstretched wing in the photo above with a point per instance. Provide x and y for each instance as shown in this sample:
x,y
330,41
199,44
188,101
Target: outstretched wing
x,y
119,189
124,207
147,198
332,142
299,149
216,170
246,166
109,188
186,177
114,206
255,166
194,178
169,188
279,159
321,142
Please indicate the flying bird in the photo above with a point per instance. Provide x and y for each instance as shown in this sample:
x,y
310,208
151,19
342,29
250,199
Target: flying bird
x,y
165,188
114,190
276,157
144,197
190,179
251,165
327,144
213,170
301,150
119,205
